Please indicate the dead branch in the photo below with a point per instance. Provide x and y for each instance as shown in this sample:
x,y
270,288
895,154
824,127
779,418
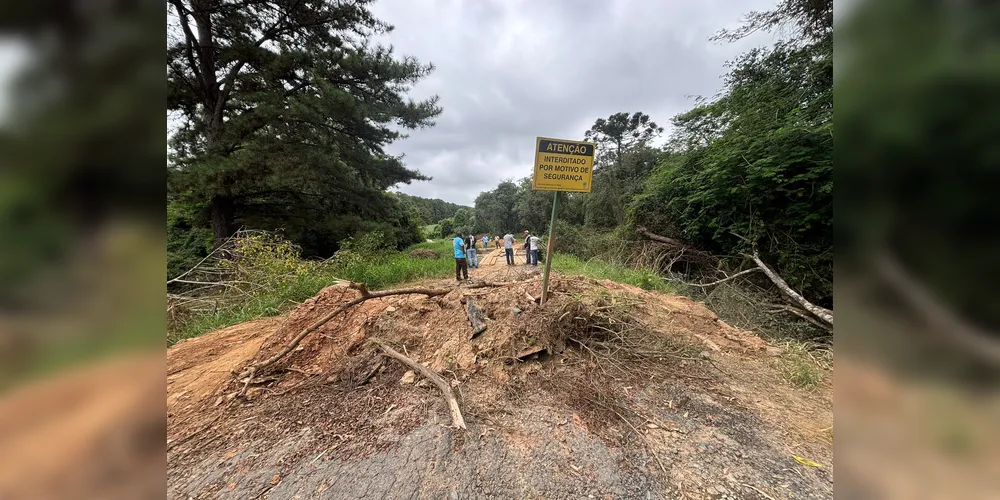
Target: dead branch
x,y
943,320
685,252
475,317
662,239
202,261
365,295
449,396
800,313
642,438
210,423
363,379
822,313
727,278
486,284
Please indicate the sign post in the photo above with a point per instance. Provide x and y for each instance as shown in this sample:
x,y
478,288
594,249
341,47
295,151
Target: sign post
x,y
560,165
549,248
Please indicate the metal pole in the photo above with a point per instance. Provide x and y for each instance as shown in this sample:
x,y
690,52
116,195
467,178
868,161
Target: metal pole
x,y
549,248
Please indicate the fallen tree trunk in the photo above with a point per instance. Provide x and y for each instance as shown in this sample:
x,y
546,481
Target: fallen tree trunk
x,y
943,320
662,239
801,314
365,295
449,396
822,313
685,249
475,317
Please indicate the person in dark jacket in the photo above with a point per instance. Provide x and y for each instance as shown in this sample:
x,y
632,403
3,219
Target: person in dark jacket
x,y
527,247
470,249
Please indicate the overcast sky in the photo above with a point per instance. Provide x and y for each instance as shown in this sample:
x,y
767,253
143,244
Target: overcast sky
x,y
511,70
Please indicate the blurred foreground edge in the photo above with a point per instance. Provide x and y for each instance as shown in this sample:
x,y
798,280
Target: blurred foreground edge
x,y
93,432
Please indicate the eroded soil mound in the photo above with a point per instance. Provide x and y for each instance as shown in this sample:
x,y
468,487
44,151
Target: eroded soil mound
x,y
604,390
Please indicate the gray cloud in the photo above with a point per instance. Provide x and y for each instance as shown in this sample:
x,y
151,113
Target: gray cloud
x,y
511,70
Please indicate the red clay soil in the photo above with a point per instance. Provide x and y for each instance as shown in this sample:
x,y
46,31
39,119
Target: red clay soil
x,y
679,403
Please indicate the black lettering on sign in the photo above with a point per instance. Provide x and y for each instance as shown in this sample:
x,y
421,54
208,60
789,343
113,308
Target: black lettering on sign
x,y
565,148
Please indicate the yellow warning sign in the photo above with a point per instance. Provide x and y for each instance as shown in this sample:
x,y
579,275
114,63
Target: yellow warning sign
x,y
562,165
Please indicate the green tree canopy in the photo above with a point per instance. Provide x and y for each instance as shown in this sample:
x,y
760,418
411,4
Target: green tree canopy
x,y
496,210
755,166
286,107
624,162
620,133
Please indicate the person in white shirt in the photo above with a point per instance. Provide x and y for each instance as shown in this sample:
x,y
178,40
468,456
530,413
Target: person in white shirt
x,y
533,242
508,248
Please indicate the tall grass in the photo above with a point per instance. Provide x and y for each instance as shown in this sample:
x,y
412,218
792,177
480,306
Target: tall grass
x,y
283,280
378,269
599,269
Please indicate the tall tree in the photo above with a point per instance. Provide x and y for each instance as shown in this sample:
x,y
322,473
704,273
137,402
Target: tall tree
x,y
621,132
625,160
496,210
756,164
286,107
534,208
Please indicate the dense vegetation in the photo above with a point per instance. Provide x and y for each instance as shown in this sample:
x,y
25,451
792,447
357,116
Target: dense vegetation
x,y
295,144
428,211
750,169
284,109
755,166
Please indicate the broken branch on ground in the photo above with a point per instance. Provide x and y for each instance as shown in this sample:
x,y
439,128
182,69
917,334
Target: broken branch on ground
x,y
449,396
365,295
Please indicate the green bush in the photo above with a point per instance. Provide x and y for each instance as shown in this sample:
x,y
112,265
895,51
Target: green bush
x,y
270,278
446,228
587,243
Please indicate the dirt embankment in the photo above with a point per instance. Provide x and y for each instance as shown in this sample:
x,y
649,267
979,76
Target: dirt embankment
x,y
606,391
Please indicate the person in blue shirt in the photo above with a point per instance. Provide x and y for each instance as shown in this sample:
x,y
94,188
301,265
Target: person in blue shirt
x,y
461,266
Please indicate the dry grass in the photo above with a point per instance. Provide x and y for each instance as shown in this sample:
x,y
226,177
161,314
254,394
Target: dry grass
x,y
602,324
607,349
805,365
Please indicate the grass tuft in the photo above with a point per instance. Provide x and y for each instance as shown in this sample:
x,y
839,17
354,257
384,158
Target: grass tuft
x,y
803,364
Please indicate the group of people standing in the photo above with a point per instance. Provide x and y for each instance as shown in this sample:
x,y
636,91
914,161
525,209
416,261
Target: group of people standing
x,y
466,251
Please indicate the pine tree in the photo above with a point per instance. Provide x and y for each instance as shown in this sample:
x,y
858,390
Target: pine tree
x,y
285,108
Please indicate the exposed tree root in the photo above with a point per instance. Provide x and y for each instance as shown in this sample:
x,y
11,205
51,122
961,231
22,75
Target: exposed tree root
x,y
449,396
